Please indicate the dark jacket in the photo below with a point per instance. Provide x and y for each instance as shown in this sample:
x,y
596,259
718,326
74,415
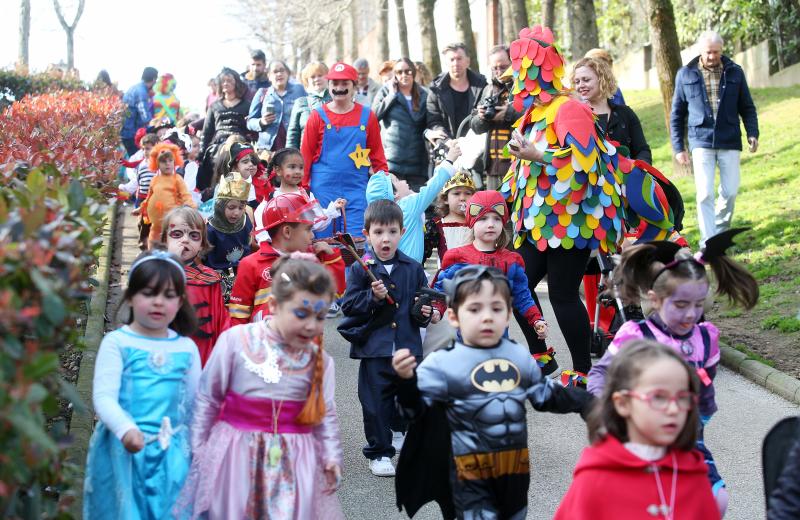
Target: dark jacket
x,y
397,329
222,121
441,112
482,126
691,99
401,132
784,502
624,127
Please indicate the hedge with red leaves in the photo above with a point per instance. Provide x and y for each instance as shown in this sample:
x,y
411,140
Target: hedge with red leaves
x,y
58,162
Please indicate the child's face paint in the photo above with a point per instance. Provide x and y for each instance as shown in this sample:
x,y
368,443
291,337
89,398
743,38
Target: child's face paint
x,y
680,310
487,230
154,311
457,200
301,318
645,424
290,172
482,318
233,211
184,241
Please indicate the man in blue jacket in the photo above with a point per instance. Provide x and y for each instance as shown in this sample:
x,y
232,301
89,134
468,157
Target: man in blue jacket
x,y
711,92
140,108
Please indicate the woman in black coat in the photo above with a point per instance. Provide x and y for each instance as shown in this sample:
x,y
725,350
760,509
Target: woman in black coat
x,y
226,116
400,109
594,82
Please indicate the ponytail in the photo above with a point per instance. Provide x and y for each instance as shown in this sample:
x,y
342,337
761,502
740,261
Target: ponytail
x,y
735,281
636,272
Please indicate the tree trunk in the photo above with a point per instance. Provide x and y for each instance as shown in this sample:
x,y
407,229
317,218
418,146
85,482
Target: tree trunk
x,y
402,28
354,15
70,30
510,32
549,14
339,43
464,29
430,46
582,27
668,57
24,32
519,16
383,30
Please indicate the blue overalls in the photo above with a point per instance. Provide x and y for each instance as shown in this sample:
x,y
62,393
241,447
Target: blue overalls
x,y
336,174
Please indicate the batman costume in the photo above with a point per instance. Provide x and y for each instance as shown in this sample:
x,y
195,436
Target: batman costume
x,y
467,446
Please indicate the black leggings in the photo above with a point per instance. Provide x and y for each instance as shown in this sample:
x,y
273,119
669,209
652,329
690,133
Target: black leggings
x,y
564,269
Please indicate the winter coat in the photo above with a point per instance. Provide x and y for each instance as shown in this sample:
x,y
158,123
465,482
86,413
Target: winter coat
x,y
283,112
691,101
624,127
401,132
222,121
611,483
440,104
300,113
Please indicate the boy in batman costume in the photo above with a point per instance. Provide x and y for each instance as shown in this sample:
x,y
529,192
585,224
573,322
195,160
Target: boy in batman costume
x,y
467,446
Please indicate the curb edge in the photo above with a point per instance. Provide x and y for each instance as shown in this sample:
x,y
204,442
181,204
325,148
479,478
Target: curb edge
x,y
82,425
770,378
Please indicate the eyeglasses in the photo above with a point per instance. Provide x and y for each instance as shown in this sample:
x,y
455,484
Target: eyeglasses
x,y
404,71
660,400
177,234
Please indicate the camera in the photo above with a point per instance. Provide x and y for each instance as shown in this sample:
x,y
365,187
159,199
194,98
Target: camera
x,y
489,104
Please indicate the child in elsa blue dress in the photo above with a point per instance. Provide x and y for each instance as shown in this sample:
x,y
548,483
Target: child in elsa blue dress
x,y
145,378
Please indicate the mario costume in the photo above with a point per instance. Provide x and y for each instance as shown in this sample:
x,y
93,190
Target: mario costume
x,y
248,301
339,150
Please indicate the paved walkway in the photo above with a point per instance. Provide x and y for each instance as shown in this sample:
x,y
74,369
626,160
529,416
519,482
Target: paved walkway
x,y
747,412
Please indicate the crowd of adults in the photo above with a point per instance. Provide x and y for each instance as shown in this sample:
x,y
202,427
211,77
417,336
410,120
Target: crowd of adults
x,y
349,125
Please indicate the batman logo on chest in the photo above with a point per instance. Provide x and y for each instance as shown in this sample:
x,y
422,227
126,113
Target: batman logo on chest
x,y
495,375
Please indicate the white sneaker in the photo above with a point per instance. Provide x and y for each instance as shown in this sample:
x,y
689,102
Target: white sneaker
x,y
397,440
334,311
382,467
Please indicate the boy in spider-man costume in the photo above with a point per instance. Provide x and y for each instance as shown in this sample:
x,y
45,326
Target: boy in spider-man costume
x,y
487,216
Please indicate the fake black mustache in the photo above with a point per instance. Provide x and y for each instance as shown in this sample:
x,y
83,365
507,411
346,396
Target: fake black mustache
x,y
340,92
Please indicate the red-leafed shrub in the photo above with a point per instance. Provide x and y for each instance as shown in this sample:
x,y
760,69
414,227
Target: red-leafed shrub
x,y
58,156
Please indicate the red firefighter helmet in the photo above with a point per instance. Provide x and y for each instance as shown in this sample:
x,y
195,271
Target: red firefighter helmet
x,y
288,208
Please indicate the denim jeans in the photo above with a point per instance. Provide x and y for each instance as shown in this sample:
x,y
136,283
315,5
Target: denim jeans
x,y
713,219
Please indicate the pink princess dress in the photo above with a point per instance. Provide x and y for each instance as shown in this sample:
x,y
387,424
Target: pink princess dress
x,y
251,457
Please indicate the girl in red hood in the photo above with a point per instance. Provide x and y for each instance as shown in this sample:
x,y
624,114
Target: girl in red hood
x,y
642,462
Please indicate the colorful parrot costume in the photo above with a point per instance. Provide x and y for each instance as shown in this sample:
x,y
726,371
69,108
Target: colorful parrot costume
x,y
583,190
165,104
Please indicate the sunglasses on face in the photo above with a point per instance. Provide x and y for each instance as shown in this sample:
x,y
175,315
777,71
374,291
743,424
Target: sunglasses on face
x,y
404,71
177,234
659,400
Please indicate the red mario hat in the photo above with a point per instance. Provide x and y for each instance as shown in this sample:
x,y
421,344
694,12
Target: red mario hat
x,y
342,71
482,203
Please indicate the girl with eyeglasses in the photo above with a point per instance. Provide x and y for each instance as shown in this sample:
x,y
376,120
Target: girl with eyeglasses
x,y
185,234
676,284
642,462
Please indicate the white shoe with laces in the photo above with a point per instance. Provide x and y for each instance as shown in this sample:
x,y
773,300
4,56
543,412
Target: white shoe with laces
x,y
382,467
334,311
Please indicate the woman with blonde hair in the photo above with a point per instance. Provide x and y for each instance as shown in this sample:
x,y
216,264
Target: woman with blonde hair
x,y
604,55
313,78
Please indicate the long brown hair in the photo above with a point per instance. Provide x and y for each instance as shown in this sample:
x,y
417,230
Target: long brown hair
x,y
638,272
414,85
623,373
305,275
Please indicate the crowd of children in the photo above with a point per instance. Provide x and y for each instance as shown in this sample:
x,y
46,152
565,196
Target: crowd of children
x,y
216,399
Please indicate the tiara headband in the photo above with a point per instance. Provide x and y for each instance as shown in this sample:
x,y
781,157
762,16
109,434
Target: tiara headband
x,y
157,255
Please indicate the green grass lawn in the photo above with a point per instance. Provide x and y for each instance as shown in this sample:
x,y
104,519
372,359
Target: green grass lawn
x,y
768,201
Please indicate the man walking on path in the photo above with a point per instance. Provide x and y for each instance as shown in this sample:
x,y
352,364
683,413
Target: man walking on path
x,y
711,92
140,108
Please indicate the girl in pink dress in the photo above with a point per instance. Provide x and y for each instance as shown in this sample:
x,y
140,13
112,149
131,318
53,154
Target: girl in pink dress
x,y
265,434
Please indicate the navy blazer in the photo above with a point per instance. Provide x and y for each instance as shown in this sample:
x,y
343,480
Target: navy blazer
x,y
690,101
358,306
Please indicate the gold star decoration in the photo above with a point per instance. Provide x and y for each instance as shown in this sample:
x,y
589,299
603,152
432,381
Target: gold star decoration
x,y
360,156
